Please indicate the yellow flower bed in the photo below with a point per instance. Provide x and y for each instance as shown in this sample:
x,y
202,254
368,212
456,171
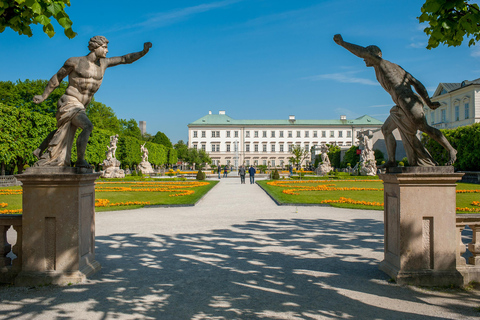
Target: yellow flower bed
x,y
320,187
466,209
6,211
348,200
180,187
106,203
10,192
468,191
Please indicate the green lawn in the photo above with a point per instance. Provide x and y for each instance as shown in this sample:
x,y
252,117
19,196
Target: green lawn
x,y
154,197
316,197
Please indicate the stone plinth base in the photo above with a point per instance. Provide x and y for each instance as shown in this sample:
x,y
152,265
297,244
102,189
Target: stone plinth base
x,y
420,233
58,224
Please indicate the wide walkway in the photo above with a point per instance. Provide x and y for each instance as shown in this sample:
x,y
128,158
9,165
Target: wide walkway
x,y
236,255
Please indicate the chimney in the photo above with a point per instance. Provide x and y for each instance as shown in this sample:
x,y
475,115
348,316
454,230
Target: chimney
x,y
221,112
343,118
209,112
291,118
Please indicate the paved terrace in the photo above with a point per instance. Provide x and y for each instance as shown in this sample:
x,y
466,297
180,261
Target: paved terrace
x,y
236,255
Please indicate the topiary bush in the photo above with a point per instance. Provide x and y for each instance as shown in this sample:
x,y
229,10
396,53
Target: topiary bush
x,y
201,175
275,175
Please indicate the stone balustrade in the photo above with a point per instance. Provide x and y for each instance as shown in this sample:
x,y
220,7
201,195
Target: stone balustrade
x,y
10,268
7,181
469,268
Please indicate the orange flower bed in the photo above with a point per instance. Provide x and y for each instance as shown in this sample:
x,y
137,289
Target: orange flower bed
x,y
106,203
468,191
320,187
180,187
6,211
351,201
10,192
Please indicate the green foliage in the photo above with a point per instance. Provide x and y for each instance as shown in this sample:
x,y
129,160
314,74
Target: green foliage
x,y
334,155
201,175
21,132
450,21
130,128
350,157
275,175
21,93
379,156
20,14
262,168
401,164
161,138
182,150
405,161
466,140
172,156
299,155
103,117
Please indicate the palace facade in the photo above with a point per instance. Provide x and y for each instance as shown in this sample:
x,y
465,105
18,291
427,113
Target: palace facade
x,y
458,105
270,142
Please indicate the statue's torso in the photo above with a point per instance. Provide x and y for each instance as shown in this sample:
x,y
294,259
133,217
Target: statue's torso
x,y
85,79
393,79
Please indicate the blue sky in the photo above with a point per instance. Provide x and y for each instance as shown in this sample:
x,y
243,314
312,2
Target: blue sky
x,y
255,59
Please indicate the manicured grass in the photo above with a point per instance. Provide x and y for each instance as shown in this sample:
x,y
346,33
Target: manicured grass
x,y
316,197
155,197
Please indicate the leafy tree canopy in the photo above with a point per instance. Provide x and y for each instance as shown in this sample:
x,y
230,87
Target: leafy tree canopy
x,y
19,15
103,117
450,21
182,150
161,138
130,128
20,94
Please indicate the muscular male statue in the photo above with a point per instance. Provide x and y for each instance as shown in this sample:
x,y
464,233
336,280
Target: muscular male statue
x,y
407,115
85,75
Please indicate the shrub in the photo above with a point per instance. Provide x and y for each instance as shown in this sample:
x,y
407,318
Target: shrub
x,y
401,164
201,175
275,175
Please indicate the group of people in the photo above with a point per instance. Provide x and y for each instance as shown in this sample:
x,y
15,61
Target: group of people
x,y
242,171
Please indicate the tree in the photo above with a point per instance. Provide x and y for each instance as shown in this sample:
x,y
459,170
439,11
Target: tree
x,y
334,152
299,155
161,138
182,151
450,21
18,15
20,94
130,128
103,117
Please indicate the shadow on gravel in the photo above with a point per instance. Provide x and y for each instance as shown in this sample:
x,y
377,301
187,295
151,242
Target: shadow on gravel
x,y
268,269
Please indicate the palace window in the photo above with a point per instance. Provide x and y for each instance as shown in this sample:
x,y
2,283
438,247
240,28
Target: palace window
x,y
332,134
281,134
272,134
315,134
340,134
264,134
324,134
247,134
298,134
281,147
203,134
255,134
457,113
247,147
255,147
272,147
195,134
228,147
228,134
265,147
467,110
289,134
236,134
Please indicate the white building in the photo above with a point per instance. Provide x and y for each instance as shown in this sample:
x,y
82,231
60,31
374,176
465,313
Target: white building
x,y
459,106
269,142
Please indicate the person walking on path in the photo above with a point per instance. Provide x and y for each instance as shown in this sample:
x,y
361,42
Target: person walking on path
x,y
219,170
242,172
252,172
225,171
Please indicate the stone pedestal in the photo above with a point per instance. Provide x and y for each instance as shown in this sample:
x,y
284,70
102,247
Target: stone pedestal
x,y
58,227
420,234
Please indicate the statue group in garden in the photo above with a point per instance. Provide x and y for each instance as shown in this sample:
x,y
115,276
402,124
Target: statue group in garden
x,y
85,75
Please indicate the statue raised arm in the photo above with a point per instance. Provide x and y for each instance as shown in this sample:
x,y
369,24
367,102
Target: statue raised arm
x,y
85,75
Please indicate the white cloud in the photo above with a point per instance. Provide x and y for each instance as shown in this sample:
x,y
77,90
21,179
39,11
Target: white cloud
x,y
420,44
161,19
345,77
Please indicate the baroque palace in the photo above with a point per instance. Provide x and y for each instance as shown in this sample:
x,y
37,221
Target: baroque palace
x,y
269,142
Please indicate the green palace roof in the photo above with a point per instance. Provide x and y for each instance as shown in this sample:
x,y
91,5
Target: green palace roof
x,y
224,120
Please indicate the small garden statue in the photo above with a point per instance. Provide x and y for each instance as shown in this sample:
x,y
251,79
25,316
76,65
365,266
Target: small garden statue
x,y
324,167
85,75
367,165
407,115
145,167
111,166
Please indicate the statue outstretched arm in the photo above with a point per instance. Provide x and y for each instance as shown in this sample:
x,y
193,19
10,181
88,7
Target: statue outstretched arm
x,y
129,58
357,50
422,92
55,81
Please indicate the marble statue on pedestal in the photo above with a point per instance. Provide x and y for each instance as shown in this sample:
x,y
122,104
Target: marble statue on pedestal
x,y
111,166
367,165
145,167
324,167
407,115
85,75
